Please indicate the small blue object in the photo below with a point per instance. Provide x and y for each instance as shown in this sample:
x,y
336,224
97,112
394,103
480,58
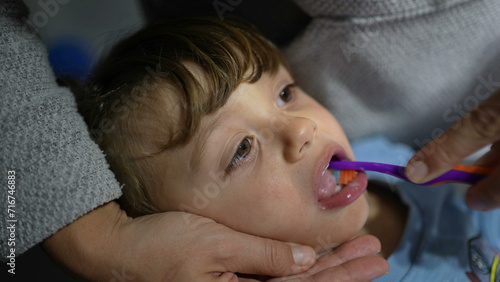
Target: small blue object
x,y
70,59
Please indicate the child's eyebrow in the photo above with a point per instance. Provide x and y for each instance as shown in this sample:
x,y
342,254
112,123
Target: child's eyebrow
x,y
201,142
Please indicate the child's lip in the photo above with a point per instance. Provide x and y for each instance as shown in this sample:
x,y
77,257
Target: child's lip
x,y
329,198
333,150
350,193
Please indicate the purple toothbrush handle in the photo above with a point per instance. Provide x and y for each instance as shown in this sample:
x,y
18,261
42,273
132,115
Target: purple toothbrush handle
x,y
457,176
399,172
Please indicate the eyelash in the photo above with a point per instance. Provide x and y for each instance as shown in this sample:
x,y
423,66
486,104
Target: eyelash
x,y
236,160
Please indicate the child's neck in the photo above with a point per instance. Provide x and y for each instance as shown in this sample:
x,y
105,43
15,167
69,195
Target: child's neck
x,y
387,218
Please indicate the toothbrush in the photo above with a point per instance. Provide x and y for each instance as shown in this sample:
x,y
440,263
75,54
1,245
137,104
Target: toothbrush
x,y
468,174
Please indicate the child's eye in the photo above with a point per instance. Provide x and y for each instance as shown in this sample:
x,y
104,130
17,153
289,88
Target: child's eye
x,y
286,95
242,152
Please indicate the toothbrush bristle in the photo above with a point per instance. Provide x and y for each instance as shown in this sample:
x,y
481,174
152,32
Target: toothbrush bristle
x,y
347,176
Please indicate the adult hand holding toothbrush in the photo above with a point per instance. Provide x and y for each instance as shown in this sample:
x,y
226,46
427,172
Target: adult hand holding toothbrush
x,y
477,129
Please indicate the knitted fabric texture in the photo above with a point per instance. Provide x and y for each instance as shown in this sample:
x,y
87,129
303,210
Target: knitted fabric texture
x,y
60,173
408,69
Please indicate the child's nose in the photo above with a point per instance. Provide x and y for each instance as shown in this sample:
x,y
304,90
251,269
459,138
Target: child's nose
x,y
298,136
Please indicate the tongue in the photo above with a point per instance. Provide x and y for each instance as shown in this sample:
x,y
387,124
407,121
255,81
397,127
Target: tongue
x,y
327,185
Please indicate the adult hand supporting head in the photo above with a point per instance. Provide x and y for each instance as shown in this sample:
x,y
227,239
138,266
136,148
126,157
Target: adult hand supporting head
x,y
174,246
354,260
472,132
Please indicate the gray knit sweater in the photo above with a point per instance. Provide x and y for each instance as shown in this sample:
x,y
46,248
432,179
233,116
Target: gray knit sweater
x,y
60,174
406,68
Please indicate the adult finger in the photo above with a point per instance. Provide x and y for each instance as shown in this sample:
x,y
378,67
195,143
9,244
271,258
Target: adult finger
x,y
471,133
364,268
245,253
365,245
353,261
485,195
491,158
359,269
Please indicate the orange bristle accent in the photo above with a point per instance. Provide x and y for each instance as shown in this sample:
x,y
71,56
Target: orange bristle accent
x,y
347,176
474,169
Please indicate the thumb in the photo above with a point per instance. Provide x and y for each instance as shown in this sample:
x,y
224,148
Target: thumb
x,y
269,257
471,133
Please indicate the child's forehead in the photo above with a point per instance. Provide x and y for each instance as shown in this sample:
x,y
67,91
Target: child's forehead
x,y
238,105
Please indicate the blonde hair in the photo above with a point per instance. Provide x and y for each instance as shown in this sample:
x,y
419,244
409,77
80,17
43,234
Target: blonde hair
x,y
151,68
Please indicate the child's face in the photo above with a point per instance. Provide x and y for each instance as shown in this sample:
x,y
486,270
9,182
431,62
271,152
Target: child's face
x,y
257,165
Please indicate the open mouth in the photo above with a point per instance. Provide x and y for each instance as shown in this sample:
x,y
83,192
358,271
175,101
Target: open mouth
x,y
333,193
329,184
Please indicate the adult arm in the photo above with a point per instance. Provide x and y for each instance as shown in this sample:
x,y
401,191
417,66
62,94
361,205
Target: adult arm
x,y
475,130
60,173
170,246
178,246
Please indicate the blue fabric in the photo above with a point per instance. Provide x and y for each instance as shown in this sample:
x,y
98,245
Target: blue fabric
x,y
443,239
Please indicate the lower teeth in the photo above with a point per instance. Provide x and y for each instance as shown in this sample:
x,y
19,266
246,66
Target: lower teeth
x,y
338,188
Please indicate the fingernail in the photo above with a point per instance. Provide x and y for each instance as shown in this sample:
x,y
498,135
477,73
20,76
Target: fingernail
x,y
417,171
303,255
